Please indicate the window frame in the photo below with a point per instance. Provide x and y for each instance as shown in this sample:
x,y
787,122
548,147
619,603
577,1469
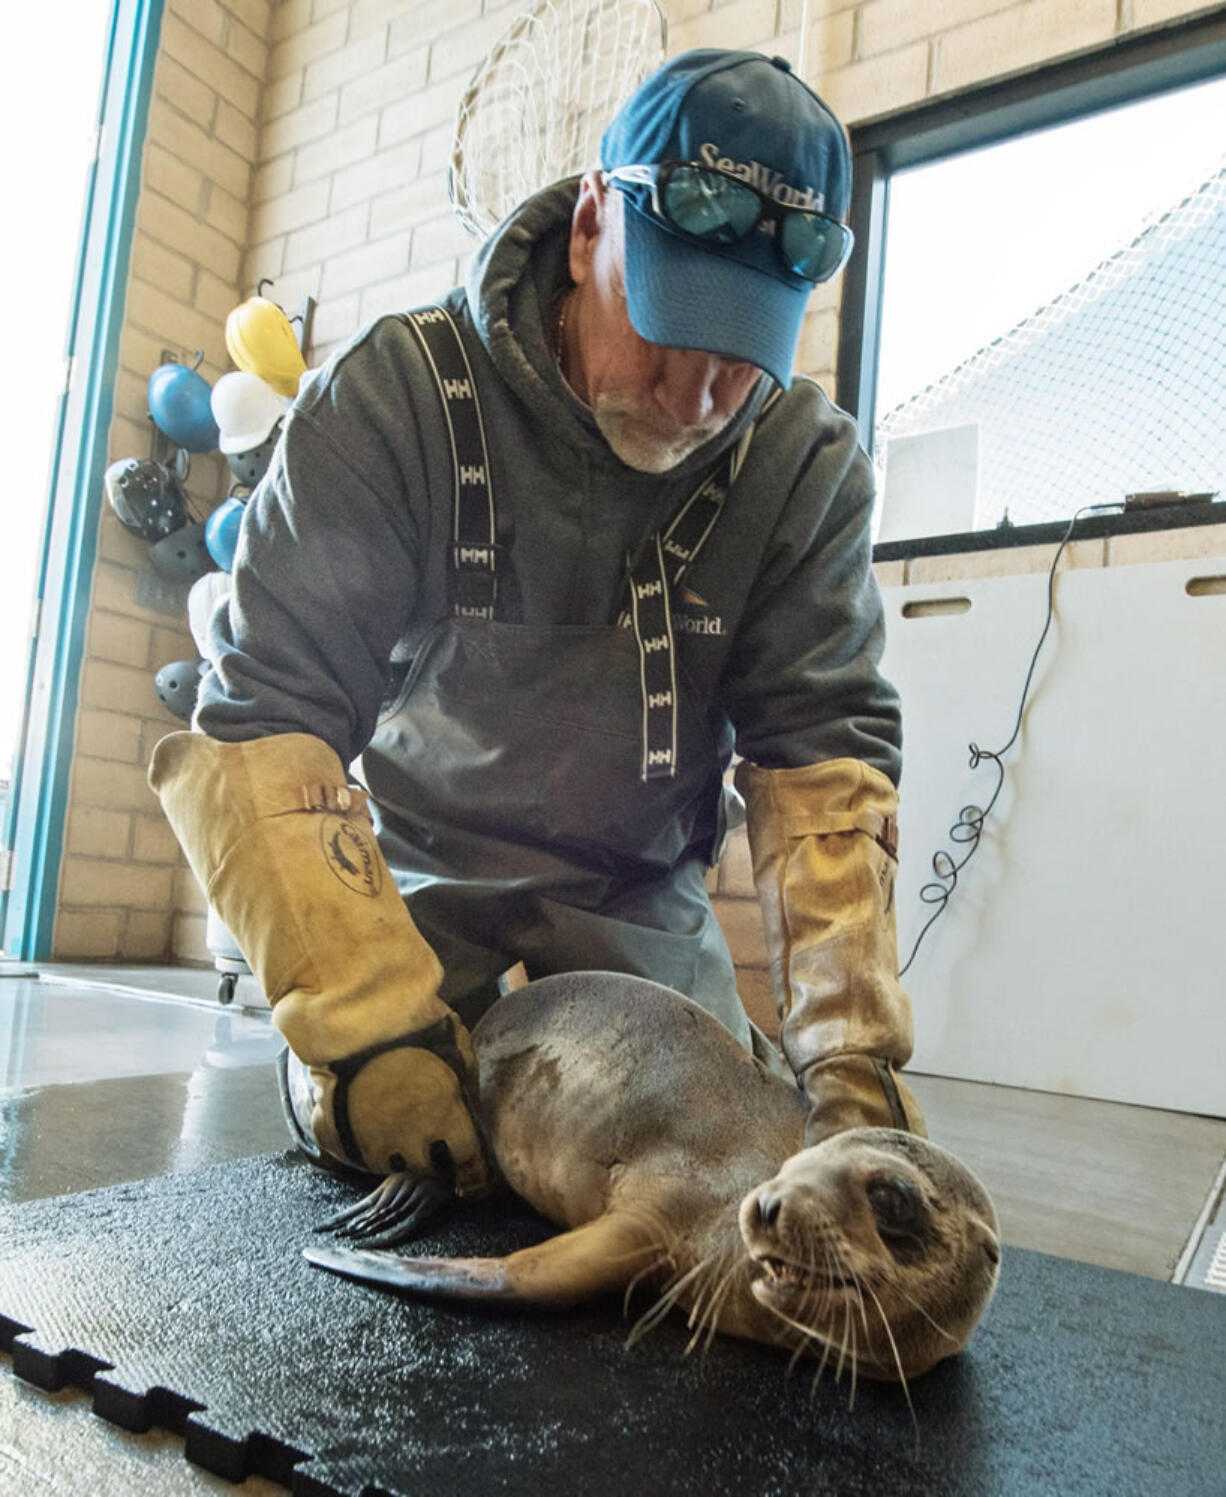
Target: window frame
x,y
35,820
1132,69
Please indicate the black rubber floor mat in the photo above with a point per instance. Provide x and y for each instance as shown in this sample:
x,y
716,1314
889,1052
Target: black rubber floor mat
x,y
184,1301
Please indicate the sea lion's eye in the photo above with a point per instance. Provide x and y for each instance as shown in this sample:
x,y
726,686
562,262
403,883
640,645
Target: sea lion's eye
x,y
897,1206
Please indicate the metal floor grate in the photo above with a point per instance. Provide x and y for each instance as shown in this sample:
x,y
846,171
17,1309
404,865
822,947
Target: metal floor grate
x,y
1204,1259
1203,1264
1215,1278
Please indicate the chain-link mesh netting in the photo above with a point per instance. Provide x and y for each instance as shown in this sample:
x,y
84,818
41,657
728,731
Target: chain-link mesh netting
x,y
1116,386
539,103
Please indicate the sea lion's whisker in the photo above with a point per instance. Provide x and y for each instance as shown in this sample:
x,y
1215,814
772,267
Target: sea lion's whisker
x,y
807,1334
703,1306
827,1348
902,1376
721,1295
672,1292
838,1269
853,1336
848,1328
935,1324
702,1291
804,1334
644,1272
813,1290
655,1313
650,1318
831,1270
704,1314
696,1321
859,1288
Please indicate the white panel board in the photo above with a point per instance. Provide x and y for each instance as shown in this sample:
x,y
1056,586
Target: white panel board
x,y
931,483
1084,949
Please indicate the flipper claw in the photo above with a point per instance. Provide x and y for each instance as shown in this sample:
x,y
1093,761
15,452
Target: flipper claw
x,y
392,1213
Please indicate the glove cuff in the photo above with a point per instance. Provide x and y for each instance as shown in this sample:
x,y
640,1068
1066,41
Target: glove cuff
x,y
858,1091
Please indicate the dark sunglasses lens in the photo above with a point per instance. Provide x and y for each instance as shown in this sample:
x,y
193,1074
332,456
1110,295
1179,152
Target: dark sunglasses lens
x,y
708,205
813,247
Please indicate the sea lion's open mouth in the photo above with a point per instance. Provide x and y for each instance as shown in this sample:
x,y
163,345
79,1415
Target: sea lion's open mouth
x,y
782,1274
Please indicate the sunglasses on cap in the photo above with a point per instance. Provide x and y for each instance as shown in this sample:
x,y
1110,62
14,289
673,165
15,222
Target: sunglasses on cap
x,y
714,207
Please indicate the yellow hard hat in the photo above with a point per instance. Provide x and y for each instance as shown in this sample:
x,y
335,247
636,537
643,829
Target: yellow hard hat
x,y
262,342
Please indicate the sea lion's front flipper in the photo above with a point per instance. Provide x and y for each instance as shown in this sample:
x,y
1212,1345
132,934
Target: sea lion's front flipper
x,y
594,1259
598,1258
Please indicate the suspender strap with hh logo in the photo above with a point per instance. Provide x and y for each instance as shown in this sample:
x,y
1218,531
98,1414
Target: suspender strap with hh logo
x,y
650,580
474,552
663,560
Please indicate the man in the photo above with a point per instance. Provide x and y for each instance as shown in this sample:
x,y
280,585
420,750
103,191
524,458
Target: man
x,y
536,562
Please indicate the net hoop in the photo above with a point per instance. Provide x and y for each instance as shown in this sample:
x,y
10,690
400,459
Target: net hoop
x,y
539,102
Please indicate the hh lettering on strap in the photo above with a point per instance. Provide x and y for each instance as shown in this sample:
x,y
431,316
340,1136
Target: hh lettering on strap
x,y
474,552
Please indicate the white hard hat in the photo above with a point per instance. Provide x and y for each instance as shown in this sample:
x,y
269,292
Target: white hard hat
x,y
246,409
204,598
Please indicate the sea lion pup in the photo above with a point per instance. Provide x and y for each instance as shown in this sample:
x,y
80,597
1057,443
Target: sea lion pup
x,y
623,1112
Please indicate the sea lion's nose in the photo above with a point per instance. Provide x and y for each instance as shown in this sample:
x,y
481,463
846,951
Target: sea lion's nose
x,y
769,1206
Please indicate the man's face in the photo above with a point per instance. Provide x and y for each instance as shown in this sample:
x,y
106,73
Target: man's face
x,y
653,405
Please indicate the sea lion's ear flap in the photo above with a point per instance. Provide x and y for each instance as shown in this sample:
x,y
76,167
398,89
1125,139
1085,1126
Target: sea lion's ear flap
x,y
984,1233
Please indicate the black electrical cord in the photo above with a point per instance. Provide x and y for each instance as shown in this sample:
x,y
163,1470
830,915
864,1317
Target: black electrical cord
x,y
969,826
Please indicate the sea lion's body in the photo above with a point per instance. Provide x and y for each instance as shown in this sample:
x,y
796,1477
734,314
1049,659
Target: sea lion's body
x,y
627,1115
596,1089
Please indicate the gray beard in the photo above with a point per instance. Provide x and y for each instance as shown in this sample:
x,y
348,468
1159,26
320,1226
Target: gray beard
x,y
637,445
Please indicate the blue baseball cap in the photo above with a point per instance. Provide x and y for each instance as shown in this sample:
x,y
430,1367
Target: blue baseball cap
x,y
749,115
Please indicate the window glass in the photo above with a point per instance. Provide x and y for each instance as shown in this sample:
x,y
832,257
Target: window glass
x,y
50,77
1053,325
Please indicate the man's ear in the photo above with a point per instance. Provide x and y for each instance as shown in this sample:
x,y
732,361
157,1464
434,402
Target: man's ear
x,y
586,224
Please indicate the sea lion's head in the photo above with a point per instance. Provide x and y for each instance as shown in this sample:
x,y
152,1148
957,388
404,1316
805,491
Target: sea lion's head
x,y
874,1245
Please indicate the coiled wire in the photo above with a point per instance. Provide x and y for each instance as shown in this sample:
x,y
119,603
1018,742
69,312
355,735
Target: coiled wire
x,y
968,829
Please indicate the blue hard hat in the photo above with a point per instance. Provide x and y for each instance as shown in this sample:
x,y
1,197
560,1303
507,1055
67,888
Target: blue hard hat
x,y
221,532
180,402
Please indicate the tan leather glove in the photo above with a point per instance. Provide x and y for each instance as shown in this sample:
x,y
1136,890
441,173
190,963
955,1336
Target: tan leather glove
x,y
824,844
286,853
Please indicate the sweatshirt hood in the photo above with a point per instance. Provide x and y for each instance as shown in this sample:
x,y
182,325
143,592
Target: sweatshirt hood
x,y
512,289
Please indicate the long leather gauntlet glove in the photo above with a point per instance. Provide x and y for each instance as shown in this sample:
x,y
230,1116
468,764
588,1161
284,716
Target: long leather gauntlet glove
x,y
823,843
287,856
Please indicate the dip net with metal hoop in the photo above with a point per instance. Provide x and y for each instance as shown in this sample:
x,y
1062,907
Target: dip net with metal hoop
x,y
539,103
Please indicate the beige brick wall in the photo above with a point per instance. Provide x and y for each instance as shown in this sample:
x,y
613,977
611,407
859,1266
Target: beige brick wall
x,y
350,201
307,141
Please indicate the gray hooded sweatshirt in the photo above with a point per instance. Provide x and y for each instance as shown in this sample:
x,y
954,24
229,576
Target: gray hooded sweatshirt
x,y
501,755
342,564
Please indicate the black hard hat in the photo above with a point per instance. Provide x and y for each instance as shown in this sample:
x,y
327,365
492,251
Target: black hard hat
x,y
146,499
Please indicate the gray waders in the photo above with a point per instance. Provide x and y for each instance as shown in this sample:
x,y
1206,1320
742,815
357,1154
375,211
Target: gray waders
x,y
552,795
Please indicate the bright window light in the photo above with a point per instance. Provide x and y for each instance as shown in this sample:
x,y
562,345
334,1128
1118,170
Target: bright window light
x,y
1054,320
50,80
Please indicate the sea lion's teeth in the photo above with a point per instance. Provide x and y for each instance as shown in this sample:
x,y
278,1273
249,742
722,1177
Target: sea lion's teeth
x,y
783,1273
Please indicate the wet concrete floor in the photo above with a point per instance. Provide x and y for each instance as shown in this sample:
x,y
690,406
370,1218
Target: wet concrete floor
x,y
100,1087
